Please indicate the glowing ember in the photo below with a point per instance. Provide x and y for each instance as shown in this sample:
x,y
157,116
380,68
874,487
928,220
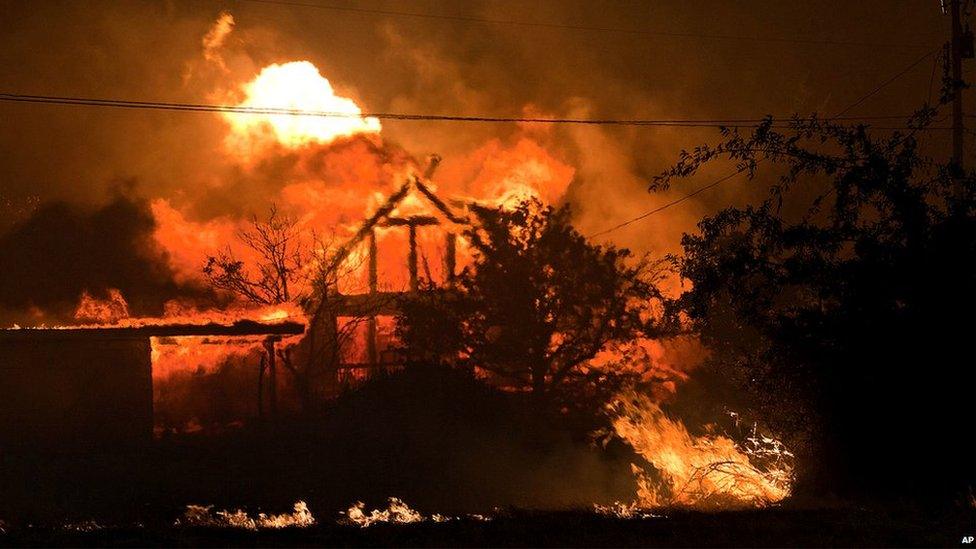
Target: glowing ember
x,y
280,313
705,471
632,510
397,512
296,86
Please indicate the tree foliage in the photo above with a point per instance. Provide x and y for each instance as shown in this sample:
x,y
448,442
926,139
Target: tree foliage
x,y
843,303
271,278
537,304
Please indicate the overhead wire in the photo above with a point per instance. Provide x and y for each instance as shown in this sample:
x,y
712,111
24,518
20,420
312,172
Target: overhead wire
x,y
723,123
885,84
284,111
741,169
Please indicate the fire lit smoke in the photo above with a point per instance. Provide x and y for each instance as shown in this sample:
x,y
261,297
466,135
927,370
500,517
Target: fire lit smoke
x,y
213,41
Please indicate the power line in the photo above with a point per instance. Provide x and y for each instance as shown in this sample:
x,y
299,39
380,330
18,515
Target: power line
x,y
675,202
561,26
781,122
725,178
885,84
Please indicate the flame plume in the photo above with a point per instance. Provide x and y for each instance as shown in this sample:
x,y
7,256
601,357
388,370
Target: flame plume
x,y
297,85
705,471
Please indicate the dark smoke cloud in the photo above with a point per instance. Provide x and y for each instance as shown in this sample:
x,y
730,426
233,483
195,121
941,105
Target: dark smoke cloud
x,y
62,250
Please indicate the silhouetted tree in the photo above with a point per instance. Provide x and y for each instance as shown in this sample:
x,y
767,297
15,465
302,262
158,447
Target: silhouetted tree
x,y
272,277
537,304
844,304
276,275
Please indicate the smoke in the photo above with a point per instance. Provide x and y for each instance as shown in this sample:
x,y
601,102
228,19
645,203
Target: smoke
x,y
400,64
62,252
213,41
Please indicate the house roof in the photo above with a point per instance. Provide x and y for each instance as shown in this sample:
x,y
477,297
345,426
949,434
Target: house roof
x,y
384,215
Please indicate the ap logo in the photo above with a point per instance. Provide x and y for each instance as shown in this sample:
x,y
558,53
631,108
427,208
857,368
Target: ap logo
x,y
968,539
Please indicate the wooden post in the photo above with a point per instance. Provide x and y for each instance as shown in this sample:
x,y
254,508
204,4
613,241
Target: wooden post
x,y
333,355
956,67
450,258
261,385
372,262
412,259
373,284
269,347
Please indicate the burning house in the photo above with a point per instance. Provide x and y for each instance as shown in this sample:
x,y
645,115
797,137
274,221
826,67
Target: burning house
x,y
92,386
431,227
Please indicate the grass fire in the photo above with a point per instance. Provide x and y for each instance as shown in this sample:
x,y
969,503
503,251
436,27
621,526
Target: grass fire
x,y
286,273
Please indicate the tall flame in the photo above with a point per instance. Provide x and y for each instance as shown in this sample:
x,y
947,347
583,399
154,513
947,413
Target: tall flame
x,y
699,471
297,85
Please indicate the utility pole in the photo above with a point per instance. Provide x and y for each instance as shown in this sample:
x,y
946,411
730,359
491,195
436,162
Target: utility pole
x,y
960,47
955,53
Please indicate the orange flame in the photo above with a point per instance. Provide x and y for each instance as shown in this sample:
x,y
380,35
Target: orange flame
x,y
297,85
699,471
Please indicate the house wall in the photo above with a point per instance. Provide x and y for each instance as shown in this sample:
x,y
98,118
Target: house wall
x,y
74,393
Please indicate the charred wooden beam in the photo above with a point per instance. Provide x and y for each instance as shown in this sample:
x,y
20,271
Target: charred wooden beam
x,y
412,221
373,276
343,252
368,366
450,258
239,328
373,288
412,259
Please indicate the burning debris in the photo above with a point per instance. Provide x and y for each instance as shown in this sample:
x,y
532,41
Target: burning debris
x,y
112,310
632,510
200,516
396,512
83,526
